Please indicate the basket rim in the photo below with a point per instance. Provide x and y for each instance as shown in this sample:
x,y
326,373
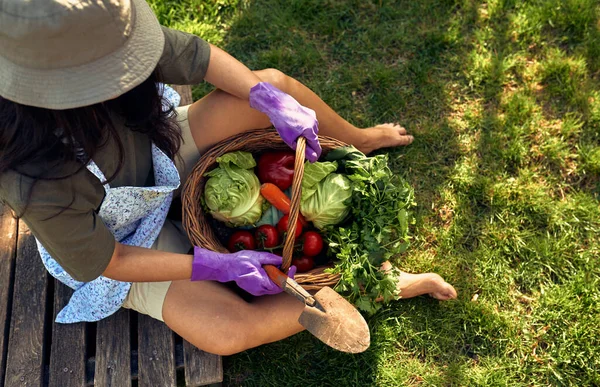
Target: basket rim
x,y
195,220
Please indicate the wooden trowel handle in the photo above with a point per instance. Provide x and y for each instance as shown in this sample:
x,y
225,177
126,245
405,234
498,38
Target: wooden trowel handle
x,y
276,275
289,285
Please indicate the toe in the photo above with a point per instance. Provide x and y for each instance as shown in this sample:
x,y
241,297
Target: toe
x,y
386,266
401,129
446,293
385,136
406,140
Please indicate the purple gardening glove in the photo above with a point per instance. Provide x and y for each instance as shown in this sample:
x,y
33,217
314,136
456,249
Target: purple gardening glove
x,y
243,267
291,119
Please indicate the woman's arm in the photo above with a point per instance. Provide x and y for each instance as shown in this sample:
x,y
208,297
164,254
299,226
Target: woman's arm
x,y
187,59
228,74
138,264
291,119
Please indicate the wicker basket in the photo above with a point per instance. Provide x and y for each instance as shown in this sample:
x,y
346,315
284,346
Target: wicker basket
x,y
195,220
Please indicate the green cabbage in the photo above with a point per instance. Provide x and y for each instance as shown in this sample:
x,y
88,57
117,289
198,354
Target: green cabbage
x,y
325,195
232,192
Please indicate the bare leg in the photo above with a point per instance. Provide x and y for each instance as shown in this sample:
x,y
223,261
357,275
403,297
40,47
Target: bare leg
x,y
216,320
413,285
207,314
220,115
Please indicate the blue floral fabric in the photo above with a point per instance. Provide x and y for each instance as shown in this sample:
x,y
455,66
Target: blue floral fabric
x,y
135,216
170,97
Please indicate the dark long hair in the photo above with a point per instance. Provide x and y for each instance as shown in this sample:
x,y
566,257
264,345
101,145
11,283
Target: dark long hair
x,y
38,143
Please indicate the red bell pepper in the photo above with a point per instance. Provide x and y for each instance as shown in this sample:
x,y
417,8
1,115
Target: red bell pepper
x,y
277,168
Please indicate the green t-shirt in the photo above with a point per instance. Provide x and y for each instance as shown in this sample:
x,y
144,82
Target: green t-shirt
x,y
77,238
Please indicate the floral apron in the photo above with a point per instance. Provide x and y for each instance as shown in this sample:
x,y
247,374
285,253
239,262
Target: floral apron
x,y
135,216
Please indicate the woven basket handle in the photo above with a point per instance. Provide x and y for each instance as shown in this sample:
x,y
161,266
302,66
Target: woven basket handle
x,y
288,247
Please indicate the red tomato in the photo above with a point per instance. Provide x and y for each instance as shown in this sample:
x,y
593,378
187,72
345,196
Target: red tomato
x,y
312,243
303,264
282,226
266,236
241,240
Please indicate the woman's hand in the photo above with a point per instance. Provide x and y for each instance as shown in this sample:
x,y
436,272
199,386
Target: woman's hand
x,y
291,119
244,267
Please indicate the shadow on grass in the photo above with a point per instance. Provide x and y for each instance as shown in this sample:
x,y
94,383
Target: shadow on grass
x,y
533,188
372,63
415,62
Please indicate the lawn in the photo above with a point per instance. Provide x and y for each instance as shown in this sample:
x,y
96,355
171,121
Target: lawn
x,y
503,98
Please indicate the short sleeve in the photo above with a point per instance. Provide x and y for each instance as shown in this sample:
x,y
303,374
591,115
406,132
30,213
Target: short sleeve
x,y
62,215
185,58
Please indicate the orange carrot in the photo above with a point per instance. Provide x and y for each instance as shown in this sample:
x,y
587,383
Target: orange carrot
x,y
278,199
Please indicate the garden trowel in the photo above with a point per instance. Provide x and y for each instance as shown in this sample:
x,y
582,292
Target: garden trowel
x,y
327,315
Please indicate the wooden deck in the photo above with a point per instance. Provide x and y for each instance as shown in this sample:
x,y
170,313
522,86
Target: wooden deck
x,y
124,349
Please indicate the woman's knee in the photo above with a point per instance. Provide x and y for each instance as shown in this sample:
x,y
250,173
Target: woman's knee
x,y
238,338
275,77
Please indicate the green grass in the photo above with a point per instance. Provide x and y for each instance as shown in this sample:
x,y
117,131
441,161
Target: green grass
x,y
503,98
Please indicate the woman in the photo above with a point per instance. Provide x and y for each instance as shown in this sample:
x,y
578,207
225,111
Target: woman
x,y
86,159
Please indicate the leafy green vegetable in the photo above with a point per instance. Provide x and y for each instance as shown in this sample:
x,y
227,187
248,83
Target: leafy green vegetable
x,y
313,174
377,232
345,153
240,159
325,195
232,192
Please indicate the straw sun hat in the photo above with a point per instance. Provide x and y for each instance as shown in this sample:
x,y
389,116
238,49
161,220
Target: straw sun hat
x,y
61,54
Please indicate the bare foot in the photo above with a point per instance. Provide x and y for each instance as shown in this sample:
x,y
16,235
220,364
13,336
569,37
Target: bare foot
x,y
384,136
412,285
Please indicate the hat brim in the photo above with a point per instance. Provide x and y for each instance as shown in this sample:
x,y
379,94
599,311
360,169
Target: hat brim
x,y
94,82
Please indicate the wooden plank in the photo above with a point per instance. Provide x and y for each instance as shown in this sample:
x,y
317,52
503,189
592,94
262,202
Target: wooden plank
x,y
8,246
185,91
67,353
156,353
201,368
113,347
26,342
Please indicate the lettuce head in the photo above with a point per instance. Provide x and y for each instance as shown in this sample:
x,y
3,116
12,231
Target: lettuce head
x,y
232,192
325,194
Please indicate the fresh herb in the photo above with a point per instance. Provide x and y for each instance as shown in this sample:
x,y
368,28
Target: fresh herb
x,y
377,231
